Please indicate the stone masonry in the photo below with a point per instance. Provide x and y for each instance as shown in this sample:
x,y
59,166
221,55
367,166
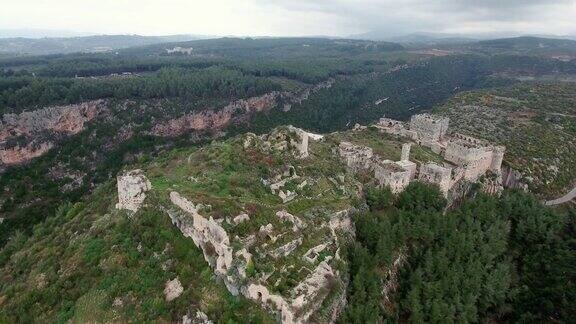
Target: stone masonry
x,y
231,267
429,127
132,187
467,158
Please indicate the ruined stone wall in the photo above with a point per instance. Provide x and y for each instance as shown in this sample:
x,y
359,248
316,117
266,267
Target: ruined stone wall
x,y
408,166
302,144
475,159
306,297
461,153
478,167
206,234
497,158
406,151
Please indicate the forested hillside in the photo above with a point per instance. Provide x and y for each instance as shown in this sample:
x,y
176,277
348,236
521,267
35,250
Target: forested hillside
x,y
501,258
99,43
506,259
153,100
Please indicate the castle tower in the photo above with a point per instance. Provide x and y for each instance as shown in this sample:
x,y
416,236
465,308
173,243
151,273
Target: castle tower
x,y
497,157
406,152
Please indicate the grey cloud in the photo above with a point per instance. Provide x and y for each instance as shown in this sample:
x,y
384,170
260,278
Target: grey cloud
x,y
422,15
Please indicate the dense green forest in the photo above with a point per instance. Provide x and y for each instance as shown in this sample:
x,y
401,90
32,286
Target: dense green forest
x,y
505,258
166,83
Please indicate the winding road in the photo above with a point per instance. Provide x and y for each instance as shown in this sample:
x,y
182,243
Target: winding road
x,y
564,199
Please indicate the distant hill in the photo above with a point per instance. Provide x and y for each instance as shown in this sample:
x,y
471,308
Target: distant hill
x,y
91,44
528,42
418,38
551,47
283,47
39,33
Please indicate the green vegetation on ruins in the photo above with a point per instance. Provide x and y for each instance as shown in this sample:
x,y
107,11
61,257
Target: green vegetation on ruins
x,y
502,258
67,255
90,262
386,145
231,179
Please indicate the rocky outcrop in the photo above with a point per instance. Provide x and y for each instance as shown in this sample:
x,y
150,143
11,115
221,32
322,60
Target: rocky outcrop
x,y
236,111
297,223
173,289
34,131
64,119
390,284
199,318
212,120
132,188
20,154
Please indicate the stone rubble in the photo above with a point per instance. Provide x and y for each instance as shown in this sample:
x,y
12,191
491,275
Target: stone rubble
x,y
297,223
241,218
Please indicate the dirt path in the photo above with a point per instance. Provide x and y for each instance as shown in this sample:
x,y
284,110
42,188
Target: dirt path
x,y
564,199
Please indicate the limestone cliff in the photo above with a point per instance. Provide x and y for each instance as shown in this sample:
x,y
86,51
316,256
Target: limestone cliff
x,y
31,134
234,112
65,119
212,119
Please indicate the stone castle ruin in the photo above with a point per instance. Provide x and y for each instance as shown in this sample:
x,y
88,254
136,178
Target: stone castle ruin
x,y
132,188
429,128
232,252
394,174
230,265
466,158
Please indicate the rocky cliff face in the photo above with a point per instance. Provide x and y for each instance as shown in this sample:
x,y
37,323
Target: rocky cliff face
x,y
30,134
20,154
212,119
64,119
236,111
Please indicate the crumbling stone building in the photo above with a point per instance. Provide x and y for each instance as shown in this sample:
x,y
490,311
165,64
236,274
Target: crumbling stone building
x,y
396,175
356,157
438,175
474,155
132,188
429,128
467,158
391,175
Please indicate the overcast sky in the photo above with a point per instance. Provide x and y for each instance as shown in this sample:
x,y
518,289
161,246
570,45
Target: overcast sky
x,y
290,17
